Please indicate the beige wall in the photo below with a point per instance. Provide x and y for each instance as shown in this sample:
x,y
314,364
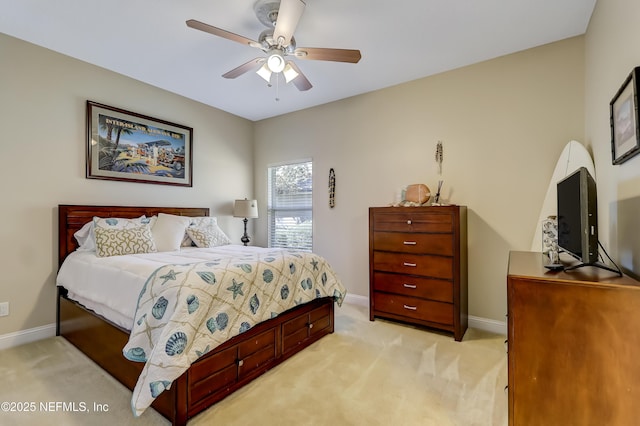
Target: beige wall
x,y
611,52
42,117
503,124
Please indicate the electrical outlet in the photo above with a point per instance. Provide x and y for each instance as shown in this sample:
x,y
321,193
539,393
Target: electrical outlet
x,y
4,309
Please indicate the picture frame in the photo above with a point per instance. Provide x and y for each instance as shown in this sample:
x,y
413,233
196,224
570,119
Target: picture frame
x,y
127,146
624,119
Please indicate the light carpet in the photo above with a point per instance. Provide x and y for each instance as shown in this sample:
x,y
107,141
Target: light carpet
x,y
366,373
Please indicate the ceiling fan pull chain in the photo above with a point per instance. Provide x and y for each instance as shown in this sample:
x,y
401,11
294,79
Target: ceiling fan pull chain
x,y
277,86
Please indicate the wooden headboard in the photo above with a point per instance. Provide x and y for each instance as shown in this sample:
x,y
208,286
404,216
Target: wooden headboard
x,y
72,217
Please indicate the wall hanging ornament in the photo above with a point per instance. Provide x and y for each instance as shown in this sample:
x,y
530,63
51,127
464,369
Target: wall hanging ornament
x,y
439,156
332,188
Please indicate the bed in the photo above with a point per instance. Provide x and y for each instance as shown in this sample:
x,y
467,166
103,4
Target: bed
x,y
215,374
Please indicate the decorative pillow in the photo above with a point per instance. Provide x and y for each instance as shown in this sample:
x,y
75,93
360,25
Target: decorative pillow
x,y
169,231
208,236
117,242
85,236
119,222
200,221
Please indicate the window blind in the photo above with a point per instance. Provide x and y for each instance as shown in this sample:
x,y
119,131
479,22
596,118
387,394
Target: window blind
x,y
290,206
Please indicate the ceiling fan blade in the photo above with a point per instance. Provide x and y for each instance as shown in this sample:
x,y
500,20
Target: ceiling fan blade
x,y
300,81
288,17
192,23
325,54
246,67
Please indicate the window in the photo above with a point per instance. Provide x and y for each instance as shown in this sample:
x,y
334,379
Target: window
x,y
289,206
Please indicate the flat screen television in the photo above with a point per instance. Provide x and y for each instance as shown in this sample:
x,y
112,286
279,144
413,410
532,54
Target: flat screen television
x,y
578,216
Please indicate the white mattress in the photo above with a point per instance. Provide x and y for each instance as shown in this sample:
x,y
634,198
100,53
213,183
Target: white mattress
x,y
110,286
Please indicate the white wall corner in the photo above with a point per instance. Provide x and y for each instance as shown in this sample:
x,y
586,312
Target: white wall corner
x,y
27,336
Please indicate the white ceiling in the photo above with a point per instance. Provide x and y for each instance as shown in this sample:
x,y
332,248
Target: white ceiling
x,y
400,40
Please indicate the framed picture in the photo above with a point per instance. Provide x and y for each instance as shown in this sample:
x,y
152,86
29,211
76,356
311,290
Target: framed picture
x,y
122,145
625,127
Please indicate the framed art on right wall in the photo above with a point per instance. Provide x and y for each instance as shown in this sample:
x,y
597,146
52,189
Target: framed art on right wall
x,y
625,126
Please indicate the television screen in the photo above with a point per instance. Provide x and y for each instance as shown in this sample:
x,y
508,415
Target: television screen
x,y
578,216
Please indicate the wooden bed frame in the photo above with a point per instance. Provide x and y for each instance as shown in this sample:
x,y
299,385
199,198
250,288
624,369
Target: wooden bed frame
x,y
215,375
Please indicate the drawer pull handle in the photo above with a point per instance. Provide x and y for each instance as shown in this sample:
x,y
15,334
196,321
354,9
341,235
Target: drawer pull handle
x,y
411,308
310,325
409,243
409,285
409,264
409,222
240,362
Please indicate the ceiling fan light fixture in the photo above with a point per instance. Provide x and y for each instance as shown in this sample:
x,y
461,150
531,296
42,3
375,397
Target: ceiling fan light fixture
x,y
289,73
281,17
265,73
276,62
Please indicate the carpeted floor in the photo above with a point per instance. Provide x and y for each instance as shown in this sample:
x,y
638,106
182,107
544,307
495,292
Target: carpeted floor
x,y
366,373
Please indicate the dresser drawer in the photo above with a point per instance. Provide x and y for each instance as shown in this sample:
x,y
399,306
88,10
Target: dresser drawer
x,y
412,264
409,285
414,308
416,221
441,244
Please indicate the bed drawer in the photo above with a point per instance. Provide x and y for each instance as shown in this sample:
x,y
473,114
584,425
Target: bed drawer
x,y
254,353
231,365
297,330
256,360
205,382
413,308
219,381
221,360
258,343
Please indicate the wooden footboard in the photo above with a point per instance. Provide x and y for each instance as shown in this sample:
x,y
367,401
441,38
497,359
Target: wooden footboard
x,y
215,375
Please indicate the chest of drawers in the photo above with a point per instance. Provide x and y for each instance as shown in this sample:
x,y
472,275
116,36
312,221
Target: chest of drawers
x,y
418,266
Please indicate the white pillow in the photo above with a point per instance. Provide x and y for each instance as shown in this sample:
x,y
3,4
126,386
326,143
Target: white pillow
x,y
118,242
208,236
169,231
85,237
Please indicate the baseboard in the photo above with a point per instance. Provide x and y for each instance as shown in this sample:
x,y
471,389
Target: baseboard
x,y
354,299
27,336
31,335
485,324
493,326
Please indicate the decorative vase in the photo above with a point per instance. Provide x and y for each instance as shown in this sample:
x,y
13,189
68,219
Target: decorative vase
x,y
550,238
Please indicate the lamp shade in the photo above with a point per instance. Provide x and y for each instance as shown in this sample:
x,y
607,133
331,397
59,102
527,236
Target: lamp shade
x,y
245,208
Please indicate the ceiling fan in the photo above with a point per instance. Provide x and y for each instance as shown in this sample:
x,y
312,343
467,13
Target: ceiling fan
x,y
281,19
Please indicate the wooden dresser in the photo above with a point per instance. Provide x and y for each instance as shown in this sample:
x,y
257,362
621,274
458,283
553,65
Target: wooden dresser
x,y
573,345
418,266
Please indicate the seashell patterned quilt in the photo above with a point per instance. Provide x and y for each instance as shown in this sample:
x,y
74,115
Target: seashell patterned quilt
x,y
184,311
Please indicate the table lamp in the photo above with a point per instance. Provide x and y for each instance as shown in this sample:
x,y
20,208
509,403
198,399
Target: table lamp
x,y
247,209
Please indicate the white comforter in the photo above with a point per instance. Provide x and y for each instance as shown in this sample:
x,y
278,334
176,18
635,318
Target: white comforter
x,y
171,295
110,286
